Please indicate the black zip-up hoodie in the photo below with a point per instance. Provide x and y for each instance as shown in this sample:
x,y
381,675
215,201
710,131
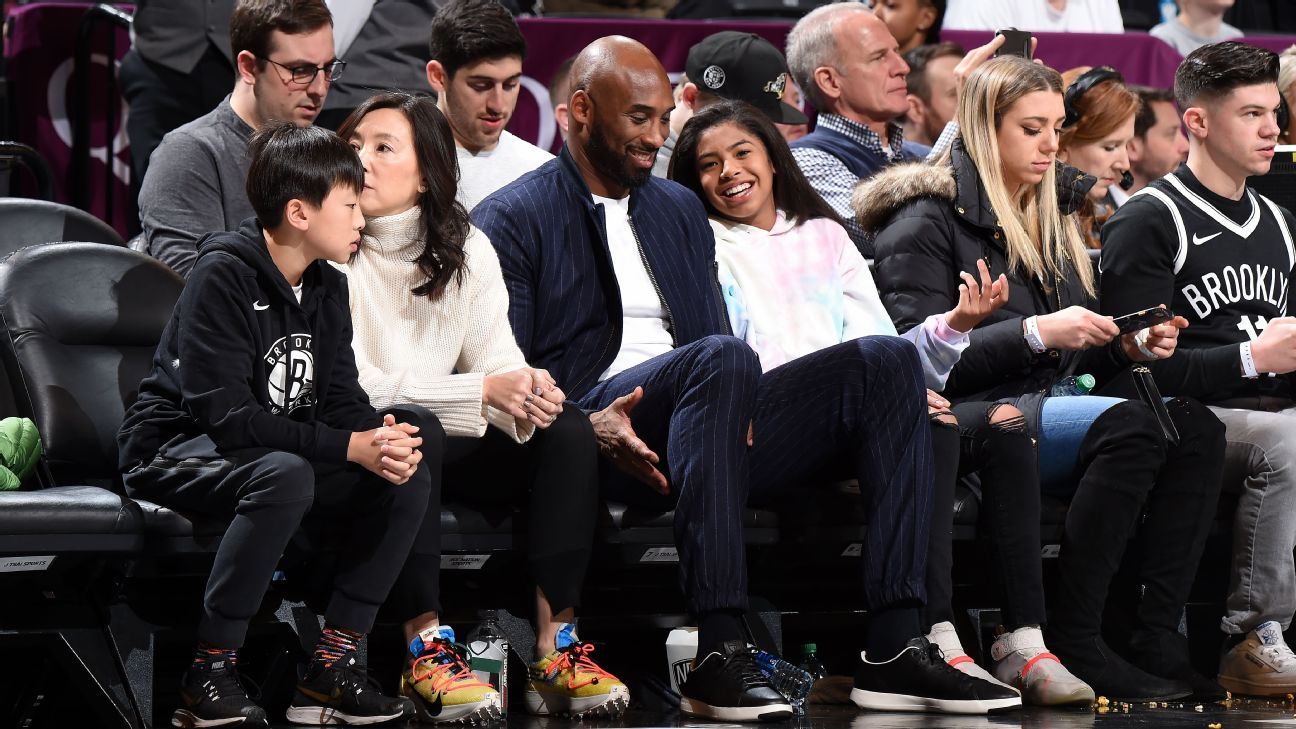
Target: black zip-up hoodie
x,y
243,363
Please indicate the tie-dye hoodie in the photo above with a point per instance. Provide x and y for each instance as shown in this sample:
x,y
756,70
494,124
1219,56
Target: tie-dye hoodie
x,y
800,287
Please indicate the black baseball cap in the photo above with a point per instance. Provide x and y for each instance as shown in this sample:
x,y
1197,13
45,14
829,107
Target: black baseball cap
x,y
745,67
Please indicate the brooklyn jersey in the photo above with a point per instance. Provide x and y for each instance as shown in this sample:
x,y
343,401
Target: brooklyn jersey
x,y
1229,263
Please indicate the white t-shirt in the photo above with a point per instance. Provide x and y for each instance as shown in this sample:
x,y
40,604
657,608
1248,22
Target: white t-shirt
x,y
487,171
644,334
297,291
1080,16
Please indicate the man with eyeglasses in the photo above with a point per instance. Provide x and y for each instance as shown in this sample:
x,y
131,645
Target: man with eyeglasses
x,y
284,64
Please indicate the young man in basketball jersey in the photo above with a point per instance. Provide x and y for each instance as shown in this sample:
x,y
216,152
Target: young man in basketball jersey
x,y
253,413
1220,254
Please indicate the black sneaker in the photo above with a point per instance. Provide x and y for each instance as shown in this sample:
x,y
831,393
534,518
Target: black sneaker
x,y
343,694
729,686
919,679
211,695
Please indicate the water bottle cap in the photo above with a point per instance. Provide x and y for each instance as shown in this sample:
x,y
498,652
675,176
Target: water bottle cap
x,y
1086,382
809,648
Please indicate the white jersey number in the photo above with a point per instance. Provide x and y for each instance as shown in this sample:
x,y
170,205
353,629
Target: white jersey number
x,y
1251,328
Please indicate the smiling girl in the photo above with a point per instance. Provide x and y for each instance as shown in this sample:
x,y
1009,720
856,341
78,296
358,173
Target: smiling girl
x,y
794,283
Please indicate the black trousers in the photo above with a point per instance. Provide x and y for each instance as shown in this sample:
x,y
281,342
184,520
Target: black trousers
x,y
1136,485
268,494
857,408
556,471
1003,456
162,99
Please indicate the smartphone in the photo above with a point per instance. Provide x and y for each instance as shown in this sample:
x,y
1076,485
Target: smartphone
x,y
1016,43
1142,319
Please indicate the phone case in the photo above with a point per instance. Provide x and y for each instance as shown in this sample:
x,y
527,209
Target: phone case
x,y
1149,394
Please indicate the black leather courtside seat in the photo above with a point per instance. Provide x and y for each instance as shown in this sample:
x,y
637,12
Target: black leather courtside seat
x,y
25,222
76,332
84,320
68,519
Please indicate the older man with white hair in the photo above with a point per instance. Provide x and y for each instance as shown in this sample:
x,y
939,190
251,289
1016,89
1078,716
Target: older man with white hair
x,y
849,67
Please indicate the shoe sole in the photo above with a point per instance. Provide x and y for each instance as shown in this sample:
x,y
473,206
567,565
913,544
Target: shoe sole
x,y
610,705
187,720
1253,688
1175,696
876,701
1078,698
324,716
770,712
483,712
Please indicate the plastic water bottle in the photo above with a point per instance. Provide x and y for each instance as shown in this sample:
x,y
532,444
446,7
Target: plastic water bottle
x,y
488,653
1073,385
787,679
1169,10
810,662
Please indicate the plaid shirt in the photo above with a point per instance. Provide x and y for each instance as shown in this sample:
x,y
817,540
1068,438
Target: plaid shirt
x,y
834,181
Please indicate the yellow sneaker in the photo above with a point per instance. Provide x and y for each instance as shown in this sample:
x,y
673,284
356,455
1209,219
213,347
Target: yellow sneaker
x,y
568,681
441,685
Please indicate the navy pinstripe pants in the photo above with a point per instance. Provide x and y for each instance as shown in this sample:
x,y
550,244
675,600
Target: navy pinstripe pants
x,y
856,409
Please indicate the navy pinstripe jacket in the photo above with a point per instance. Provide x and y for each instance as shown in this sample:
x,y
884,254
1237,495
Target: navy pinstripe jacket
x,y
564,301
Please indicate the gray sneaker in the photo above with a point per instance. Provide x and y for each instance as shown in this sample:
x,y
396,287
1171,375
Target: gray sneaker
x,y
1022,661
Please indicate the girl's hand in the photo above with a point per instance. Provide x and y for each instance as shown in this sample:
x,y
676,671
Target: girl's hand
x,y
977,300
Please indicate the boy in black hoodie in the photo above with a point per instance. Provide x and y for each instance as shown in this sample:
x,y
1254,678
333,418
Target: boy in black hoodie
x,y
253,411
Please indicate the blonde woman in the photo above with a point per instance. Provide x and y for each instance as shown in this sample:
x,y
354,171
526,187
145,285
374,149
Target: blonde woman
x,y
1000,197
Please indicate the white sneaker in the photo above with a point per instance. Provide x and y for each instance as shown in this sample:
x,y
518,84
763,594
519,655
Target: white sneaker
x,y
1022,661
1261,665
944,636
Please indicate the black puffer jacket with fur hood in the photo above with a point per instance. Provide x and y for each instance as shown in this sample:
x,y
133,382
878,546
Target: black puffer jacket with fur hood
x,y
934,221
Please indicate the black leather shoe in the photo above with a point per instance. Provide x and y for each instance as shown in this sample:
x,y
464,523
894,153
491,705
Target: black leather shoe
x,y
1163,653
919,679
729,686
1095,663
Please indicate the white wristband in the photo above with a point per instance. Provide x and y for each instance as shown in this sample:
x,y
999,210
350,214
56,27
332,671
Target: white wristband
x,y
1032,336
1140,341
1248,362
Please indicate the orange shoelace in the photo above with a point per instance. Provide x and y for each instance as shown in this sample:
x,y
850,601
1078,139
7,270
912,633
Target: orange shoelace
x,y
443,672
582,664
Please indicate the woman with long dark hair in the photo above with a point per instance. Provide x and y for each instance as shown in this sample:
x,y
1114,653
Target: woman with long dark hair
x,y
794,283
430,314
999,197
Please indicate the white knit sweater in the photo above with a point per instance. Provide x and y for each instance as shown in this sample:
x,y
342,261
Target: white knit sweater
x,y
407,346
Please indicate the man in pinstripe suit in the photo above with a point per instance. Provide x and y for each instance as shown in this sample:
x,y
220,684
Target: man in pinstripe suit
x,y
612,288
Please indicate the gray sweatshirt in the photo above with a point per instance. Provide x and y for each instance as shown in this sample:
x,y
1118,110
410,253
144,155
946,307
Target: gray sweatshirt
x,y
194,186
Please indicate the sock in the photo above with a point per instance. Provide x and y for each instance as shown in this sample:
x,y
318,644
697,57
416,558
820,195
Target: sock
x,y
335,643
889,630
716,627
422,642
208,655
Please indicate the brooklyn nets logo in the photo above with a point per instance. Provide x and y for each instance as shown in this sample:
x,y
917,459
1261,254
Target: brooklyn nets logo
x,y
292,374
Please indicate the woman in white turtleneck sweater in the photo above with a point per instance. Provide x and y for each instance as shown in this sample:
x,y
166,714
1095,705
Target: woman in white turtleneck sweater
x,y
430,313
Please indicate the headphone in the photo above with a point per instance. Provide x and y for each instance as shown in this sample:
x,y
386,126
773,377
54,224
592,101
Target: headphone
x,y
1081,86
1284,113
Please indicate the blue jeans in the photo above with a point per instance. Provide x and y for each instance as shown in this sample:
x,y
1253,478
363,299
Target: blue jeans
x,y
1064,422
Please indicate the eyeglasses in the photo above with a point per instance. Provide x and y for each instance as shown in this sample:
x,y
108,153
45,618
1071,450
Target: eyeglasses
x,y
1081,86
304,75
